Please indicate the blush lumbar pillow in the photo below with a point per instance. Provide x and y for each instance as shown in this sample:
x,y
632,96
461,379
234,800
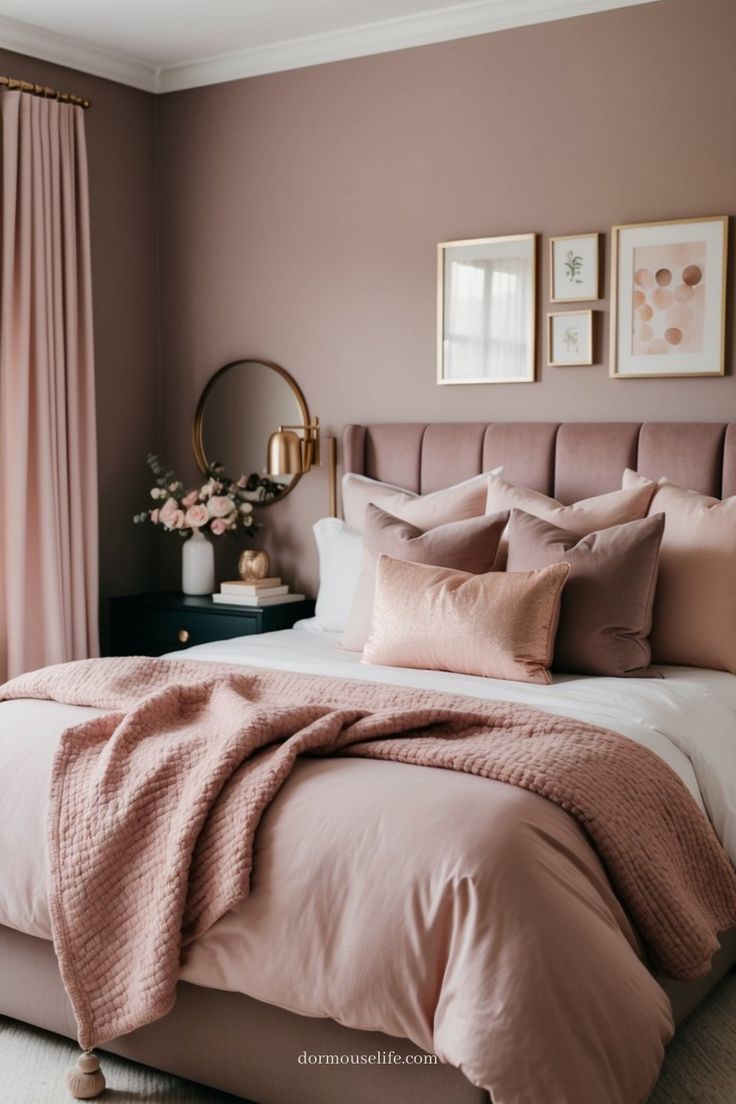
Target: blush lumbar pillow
x,y
456,503
498,625
581,518
694,621
340,561
469,545
606,612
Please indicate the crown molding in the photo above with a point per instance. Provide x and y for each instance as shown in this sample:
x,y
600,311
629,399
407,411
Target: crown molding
x,y
34,42
442,25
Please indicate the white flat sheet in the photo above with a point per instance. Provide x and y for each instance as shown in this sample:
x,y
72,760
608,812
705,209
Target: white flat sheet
x,y
688,717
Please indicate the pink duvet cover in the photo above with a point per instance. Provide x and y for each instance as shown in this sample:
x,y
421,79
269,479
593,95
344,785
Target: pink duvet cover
x,y
474,919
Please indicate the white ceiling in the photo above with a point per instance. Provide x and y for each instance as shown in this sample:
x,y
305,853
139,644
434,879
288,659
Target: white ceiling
x,y
164,45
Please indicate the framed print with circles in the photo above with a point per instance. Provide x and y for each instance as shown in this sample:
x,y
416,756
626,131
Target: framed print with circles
x,y
668,298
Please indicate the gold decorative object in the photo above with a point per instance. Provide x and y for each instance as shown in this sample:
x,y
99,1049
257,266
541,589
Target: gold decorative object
x,y
254,564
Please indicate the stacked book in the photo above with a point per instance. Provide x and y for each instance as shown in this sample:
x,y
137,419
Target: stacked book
x,y
262,592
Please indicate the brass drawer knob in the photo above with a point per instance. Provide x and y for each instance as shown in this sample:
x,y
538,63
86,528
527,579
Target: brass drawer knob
x,y
182,636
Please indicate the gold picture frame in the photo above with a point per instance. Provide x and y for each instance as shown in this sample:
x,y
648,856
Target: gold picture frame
x,y
579,347
651,336
479,280
583,277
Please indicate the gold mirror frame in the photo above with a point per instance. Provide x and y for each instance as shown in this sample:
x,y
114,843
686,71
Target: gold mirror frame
x,y
198,426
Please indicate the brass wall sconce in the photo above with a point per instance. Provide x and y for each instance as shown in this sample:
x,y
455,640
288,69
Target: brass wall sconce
x,y
296,449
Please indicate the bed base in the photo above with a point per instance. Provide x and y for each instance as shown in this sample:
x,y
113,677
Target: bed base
x,y
233,1043
239,1045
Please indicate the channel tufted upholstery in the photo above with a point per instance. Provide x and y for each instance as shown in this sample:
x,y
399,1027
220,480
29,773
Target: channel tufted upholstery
x,y
448,455
591,457
570,461
526,450
689,453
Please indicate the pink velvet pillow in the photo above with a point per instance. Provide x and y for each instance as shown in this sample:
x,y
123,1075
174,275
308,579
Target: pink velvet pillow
x,y
695,605
498,625
581,517
456,503
466,545
606,612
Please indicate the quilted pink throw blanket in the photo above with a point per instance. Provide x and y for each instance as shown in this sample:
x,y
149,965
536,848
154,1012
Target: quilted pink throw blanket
x,y
154,807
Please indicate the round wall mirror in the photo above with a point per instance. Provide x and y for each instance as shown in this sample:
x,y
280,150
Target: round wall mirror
x,y
241,406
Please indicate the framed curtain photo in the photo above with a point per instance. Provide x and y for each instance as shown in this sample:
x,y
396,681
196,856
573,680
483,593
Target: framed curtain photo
x,y
570,338
486,317
668,296
574,268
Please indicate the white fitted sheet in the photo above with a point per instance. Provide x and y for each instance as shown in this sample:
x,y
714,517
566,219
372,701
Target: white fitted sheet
x,y
688,717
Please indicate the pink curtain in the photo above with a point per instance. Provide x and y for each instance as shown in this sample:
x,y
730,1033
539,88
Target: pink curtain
x,y
48,463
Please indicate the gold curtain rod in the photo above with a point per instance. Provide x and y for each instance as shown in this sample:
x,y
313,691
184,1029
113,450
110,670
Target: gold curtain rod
x,y
42,90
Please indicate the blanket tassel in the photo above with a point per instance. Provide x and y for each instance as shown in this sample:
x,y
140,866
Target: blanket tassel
x,y
86,1081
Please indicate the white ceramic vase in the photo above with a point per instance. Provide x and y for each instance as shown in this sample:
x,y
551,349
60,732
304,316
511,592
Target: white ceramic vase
x,y
197,565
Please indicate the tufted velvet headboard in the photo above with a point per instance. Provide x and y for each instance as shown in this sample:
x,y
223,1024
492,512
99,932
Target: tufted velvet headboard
x,y
570,461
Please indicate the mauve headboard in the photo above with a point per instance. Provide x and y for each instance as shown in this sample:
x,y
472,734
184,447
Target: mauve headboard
x,y
570,461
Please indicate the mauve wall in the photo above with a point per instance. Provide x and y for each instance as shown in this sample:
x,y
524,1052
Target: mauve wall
x,y
299,214
120,145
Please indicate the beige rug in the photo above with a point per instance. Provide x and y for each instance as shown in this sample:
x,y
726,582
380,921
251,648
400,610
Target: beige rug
x,y
700,1067
33,1065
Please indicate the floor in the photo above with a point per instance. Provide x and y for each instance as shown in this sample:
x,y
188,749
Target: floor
x,y
700,1067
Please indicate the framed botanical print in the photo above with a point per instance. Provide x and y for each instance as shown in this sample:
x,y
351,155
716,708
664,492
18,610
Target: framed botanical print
x,y
486,310
668,296
573,268
570,338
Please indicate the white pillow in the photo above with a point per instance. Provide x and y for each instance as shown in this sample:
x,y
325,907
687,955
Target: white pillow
x,y
340,563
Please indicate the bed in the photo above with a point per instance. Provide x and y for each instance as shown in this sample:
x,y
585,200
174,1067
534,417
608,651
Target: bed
x,y
251,1044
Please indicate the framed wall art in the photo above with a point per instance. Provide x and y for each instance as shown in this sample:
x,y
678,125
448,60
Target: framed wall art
x,y
486,310
574,268
570,338
668,298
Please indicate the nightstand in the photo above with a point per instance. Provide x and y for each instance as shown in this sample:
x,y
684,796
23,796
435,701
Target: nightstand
x,y
152,624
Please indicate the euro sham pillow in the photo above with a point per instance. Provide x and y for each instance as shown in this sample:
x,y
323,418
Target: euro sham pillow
x,y
469,545
694,622
606,611
340,561
497,625
456,503
581,518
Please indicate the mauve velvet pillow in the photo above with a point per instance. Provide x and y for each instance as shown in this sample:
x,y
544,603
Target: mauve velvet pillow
x,y
606,612
467,545
456,503
497,625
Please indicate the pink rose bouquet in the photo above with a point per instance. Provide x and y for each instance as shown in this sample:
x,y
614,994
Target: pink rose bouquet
x,y
221,505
